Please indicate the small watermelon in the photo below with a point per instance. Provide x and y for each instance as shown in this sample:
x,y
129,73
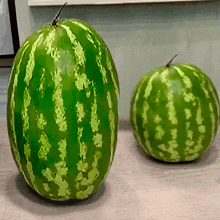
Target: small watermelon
x,y
174,112
62,110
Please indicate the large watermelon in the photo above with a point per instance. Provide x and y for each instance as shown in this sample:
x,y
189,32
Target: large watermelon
x,y
175,112
62,110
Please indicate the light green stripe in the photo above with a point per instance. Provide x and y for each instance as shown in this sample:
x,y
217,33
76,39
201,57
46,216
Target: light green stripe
x,y
29,74
189,67
189,132
196,74
188,96
26,103
85,193
25,115
57,98
157,119
149,87
29,167
16,65
206,92
45,146
213,120
46,187
112,124
189,142
81,80
215,97
81,25
171,111
80,111
50,49
204,86
97,138
164,77
186,80
112,120
92,174
83,147
135,96
62,169
147,143
90,39
113,75
79,52
134,110
159,132
42,82
188,113
48,174
174,133
61,172
95,121
173,144
99,63
174,155
101,67
199,118
62,148
31,61
82,165
192,152
41,121
145,107
144,114
16,68
99,56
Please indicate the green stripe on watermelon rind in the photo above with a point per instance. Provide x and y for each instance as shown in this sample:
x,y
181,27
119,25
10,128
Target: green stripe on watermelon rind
x,y
13,80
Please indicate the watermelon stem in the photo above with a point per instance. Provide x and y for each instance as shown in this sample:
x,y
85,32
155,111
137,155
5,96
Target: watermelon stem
x,y
56,18
168,64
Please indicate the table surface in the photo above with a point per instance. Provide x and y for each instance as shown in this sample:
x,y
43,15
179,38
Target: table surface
x,y
137,187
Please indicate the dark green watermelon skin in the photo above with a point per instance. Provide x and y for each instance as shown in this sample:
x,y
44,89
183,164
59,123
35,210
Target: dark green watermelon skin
x,y
62,110
175,113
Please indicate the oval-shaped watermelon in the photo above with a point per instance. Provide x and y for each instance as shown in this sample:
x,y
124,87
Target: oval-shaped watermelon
x,y
174,112
62,110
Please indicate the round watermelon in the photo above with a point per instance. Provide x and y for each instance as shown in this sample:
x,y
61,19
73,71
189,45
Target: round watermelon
x,y
174,112
62,110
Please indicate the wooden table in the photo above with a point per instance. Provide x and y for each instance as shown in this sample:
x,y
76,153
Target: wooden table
x,y
137,187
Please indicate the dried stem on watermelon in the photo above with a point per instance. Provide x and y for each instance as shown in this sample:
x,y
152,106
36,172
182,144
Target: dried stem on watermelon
x,y
56,18
168,64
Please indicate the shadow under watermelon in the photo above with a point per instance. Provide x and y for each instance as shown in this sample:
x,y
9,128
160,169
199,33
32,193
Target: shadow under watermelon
x,y
28,199
209,157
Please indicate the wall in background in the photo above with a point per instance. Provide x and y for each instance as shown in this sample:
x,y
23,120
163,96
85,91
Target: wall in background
x,y
92,2
143,36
